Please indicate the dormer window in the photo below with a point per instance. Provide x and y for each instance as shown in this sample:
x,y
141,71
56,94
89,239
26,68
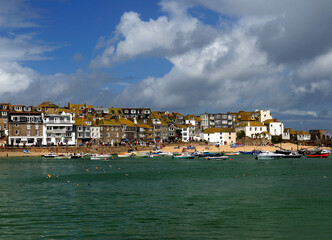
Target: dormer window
x,y
39,109
4,113
81,108
55,109
4,107
46,109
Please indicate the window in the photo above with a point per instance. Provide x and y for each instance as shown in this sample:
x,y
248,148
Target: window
x,y
36,126
37,132
16,132
16,125
4,113
49,128
5,120
28,132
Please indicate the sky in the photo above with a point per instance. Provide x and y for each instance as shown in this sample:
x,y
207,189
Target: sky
x,y
190,56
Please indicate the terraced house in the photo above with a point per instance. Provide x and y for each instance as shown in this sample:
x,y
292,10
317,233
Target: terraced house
x,y
25,126
110,132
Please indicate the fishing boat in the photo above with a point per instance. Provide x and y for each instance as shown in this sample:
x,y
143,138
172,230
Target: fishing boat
x,y
183,156
269,155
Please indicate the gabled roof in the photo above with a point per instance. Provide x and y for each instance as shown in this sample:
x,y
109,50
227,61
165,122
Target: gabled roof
x,y
215,130
251,124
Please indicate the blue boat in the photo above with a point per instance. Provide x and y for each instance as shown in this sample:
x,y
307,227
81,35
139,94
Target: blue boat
x,y
245,152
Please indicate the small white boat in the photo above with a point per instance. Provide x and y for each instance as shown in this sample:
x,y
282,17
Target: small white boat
x,y
100,156
162,153
126,155
269,155
50,155
183,156
217,158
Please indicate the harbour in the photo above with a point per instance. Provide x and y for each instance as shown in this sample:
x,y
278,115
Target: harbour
x,y
165,198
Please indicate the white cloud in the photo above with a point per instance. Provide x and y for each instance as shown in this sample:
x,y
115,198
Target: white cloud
x,y
14,78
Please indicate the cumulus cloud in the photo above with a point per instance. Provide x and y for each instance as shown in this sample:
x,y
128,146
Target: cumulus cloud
x,y
268,58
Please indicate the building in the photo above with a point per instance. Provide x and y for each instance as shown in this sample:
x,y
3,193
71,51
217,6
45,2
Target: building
x,y
188,132
274,127
217,120
252,129
58,129
110,132
4,109
83,129
222,136
25,126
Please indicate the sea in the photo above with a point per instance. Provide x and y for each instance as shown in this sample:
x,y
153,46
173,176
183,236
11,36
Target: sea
x,y
165,198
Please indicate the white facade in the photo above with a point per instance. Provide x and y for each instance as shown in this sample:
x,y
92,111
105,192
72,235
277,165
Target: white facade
x,y
95,132
58,129
188,133
264,115
303,137
221,138
276,128
251,129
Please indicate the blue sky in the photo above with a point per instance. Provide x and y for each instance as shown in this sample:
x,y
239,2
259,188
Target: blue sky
x,y
191,56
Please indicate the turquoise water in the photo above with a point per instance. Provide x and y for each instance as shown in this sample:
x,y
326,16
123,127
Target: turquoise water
x,y
162,198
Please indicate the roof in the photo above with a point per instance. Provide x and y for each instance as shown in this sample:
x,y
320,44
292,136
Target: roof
x,y
271,120
215,130
127,122
144,126
251,124
48,105
108,122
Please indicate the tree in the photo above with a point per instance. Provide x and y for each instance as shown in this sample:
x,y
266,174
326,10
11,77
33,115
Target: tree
x,y
241,134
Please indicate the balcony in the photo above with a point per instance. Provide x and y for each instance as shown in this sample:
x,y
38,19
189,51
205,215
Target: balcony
x,y
56,131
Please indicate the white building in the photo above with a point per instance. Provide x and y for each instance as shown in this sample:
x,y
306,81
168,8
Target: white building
x,y
251,129
264,115
275,127
222,136
188,132
58,129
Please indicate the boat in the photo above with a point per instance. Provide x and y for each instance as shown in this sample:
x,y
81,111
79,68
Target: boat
x,y
217,157
232,153
126,155
183,156
269,155
162,153
293,155
100,156
50,155
245,152
75,156
256,152
317,155
62,157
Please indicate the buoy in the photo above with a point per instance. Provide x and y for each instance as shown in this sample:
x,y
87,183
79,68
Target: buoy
x,y
230,159
49,175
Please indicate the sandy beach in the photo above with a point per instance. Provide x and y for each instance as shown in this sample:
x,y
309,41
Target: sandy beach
x,y
169,148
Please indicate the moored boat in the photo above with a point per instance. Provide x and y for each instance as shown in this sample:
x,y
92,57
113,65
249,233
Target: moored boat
x,y
100,156
183,156
50,155
269,155
317,155
221,157
293,155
